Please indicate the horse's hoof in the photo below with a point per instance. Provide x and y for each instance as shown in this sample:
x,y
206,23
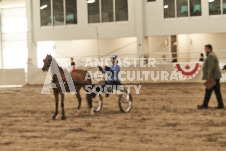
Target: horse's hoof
x,y
63,118
54,117
92,112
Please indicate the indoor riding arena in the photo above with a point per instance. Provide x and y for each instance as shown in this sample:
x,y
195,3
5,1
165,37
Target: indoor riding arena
x,y
113,75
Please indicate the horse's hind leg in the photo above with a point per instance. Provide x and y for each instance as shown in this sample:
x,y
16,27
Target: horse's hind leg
x,y
62,106
89,99
56,102
79,102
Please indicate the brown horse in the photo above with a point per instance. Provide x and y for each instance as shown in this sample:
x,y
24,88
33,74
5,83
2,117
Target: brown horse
x,y
78,81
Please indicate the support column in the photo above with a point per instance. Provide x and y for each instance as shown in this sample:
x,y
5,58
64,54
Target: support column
x,y
142,41
31,45
1,48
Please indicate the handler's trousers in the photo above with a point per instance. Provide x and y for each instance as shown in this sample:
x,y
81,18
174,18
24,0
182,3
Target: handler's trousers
x,y
217,91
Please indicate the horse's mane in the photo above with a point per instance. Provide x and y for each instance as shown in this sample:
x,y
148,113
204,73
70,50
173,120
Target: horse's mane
x,y
55,66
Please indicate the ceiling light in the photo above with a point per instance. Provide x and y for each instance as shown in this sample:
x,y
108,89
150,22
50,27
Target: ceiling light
x,y
166,6
90,1
44,6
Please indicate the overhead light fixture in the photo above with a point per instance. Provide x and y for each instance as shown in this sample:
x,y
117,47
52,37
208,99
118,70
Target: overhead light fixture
x,y
211,1
90,1
166,6
44,6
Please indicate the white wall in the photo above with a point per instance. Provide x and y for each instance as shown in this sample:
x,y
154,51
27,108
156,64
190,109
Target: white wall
x,y
159,47
81,39
189,46
183,48
82,49
157,25
95,47
36,76
12,77
82,30
216,40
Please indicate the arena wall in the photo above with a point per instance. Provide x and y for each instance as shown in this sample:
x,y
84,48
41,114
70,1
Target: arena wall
x,y
159,45
146,24
197,42
37,76
96,47
146,27
12,77
156,25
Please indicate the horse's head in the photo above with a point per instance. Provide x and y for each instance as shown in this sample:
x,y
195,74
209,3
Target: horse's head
x,y
47,61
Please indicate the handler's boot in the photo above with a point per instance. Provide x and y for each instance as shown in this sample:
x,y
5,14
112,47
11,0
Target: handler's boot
x,y
202,107
219,107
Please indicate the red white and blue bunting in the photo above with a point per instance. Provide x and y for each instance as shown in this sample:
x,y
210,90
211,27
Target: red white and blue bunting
x,y
187,70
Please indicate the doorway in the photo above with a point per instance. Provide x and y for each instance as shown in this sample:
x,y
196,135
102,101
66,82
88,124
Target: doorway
x,y
174,47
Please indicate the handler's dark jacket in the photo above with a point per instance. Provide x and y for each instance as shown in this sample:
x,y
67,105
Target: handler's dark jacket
x,y
211,67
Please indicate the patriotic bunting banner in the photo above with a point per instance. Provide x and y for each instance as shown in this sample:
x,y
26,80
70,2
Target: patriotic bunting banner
x,y
187,70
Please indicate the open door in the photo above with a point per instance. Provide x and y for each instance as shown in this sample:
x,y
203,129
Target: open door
x,y
174,47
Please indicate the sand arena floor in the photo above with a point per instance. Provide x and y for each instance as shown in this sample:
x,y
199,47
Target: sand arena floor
x,y
163,117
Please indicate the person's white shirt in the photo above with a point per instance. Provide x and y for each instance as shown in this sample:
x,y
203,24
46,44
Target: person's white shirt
x,y
164,61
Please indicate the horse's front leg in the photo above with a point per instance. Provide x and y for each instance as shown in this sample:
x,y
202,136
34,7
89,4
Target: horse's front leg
x,y
62,106
56,102
79,103
89,99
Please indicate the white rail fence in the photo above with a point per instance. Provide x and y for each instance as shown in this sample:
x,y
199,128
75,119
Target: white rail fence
x,y
34,75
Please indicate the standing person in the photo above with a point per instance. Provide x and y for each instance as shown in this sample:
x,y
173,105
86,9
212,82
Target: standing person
x,y
201,59
224,68
72,63
164,61
212,70
174,60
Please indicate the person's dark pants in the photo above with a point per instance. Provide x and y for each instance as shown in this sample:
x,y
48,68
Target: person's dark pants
x,y
111,84
217,91
107,84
